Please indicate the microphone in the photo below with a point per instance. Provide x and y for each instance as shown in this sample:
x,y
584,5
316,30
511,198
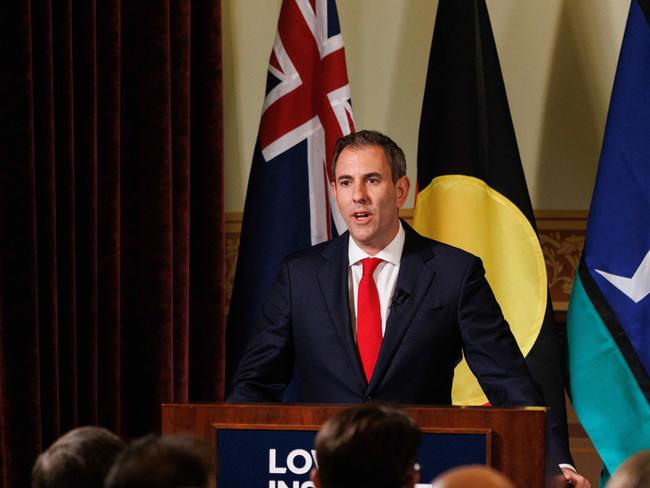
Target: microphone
x,y
399,297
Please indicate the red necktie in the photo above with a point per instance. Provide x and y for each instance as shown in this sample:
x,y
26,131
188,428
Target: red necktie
x,y
368,317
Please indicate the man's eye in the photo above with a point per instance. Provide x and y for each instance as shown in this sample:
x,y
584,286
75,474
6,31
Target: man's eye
x,y
344,183
373,180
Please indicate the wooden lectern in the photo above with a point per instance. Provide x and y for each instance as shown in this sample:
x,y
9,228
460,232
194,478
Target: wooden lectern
x,y
515,436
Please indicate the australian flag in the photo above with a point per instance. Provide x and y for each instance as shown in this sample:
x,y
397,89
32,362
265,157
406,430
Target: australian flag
x,y
289,205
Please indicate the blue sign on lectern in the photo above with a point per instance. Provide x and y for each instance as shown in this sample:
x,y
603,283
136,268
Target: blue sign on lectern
x,y
255,457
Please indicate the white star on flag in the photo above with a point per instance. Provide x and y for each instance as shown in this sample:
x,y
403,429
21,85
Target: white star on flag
x,y
638,286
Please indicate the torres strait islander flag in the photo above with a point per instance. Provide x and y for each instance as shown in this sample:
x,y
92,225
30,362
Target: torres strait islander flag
x,y
473,193
608,323
288,203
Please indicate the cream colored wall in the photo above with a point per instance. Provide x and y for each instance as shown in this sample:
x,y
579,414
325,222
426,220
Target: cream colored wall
x,y
558,59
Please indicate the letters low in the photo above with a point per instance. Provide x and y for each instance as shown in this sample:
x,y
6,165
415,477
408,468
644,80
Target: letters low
x,y
299,461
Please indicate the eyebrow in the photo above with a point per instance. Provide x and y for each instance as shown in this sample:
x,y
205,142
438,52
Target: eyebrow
x,y
367,175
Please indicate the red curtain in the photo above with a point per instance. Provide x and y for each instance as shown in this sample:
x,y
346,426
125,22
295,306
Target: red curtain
x,y
111,217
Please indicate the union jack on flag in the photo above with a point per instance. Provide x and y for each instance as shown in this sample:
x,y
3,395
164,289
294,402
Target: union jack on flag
x,y
289,204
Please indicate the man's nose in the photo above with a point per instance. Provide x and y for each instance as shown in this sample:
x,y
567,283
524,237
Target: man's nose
x,y
359,194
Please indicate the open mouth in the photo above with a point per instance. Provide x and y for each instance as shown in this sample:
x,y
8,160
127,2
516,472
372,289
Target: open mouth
x,y
361,216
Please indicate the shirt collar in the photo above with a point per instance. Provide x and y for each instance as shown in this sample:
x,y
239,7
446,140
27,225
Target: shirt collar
x,y
392,253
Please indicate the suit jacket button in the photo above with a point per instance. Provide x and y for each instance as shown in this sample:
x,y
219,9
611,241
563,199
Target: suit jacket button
x,y
369,399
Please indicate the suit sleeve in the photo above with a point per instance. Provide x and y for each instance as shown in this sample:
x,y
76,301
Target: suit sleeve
x,y
489,346
266,366
496,360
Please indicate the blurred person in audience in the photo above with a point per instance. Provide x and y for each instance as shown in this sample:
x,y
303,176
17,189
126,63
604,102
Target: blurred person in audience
x,y
633,473
82,457
162,462
369,446
471,476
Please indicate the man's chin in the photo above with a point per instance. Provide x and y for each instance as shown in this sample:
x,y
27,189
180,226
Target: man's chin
x,y
364,240
361,238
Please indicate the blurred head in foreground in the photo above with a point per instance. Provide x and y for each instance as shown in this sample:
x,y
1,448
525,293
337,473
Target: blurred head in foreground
x,y
82,457
371,446
472,476
633,473
161,462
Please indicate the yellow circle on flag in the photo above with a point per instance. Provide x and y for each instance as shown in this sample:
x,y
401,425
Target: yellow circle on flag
x,y
465,212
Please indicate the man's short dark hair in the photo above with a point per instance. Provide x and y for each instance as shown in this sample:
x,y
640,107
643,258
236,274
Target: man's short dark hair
x,y
356,140
82,457
367,446
161,462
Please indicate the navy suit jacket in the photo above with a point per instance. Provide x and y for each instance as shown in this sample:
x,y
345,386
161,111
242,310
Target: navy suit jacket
x,y
443,304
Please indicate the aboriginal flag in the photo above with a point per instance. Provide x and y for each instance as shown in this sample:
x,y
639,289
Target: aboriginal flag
x,y
473,194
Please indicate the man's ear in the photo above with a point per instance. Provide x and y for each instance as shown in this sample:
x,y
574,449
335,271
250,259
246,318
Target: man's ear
x,y
314,478
402,187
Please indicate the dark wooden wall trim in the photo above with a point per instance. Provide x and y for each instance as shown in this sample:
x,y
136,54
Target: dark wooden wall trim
x,y
561,233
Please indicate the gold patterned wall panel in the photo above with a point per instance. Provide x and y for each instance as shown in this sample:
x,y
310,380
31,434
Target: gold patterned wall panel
x,y
233,229
562,235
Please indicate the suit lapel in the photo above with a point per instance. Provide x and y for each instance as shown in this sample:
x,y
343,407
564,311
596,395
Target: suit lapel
x,y
333,282
413,282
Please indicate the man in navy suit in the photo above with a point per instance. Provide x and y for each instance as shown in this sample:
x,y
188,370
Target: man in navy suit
x,y
434,304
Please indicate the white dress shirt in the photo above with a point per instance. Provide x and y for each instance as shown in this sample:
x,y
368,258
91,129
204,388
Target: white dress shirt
x,y
385,275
